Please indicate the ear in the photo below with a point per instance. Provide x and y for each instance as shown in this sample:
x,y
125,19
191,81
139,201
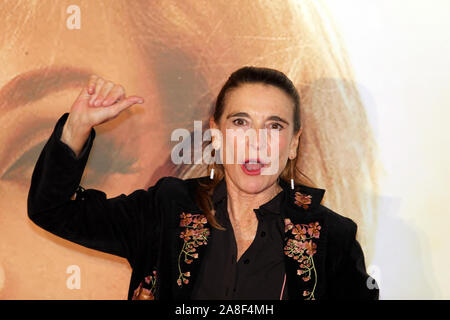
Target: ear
x,y
294,144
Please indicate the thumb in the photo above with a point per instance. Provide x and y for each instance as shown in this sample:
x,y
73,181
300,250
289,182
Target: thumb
x,y
124,104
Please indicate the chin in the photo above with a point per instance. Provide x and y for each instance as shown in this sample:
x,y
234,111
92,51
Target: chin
x,y
253,184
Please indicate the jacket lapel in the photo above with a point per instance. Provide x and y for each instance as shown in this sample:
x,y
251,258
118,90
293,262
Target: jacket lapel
x,y
192,237
305,242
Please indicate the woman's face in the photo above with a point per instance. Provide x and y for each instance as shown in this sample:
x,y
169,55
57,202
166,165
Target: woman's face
x,y
248,109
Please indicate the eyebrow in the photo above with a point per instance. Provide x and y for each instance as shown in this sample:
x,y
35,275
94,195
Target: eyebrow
x,y
245,114
33,85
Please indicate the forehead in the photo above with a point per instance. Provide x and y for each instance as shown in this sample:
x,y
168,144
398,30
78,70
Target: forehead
x,y
259,99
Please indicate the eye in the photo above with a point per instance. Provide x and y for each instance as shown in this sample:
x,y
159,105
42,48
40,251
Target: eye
x,y
276,126
111,160
239,122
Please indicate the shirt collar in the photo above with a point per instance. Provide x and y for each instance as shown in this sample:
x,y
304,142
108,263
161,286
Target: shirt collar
x,y
274,205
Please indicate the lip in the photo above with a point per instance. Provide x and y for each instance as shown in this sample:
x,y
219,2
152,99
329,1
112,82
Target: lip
x,y
250,173
253,172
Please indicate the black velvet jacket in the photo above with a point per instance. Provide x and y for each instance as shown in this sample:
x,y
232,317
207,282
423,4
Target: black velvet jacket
x,y
163,233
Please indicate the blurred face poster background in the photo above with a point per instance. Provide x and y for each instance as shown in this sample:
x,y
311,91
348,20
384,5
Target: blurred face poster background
x,y
364,138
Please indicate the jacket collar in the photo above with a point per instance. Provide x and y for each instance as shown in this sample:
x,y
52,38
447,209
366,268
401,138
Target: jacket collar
x,y
302,196
297,197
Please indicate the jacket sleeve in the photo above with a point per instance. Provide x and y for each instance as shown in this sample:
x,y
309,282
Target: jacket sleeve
x,y
116,225
352,280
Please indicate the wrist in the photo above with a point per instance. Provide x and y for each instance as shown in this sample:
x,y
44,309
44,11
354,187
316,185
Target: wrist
x,y
75,136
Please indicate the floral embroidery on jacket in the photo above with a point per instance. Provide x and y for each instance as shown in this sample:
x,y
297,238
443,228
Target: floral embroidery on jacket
x,y
302,249
146,289
302,200
194,235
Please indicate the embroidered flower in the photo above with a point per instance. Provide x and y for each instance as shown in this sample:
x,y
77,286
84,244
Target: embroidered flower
x,y
146,289
302,249
194,235
302,200
299,232
313,229
186,219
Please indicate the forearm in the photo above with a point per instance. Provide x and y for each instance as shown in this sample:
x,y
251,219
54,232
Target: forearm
x,y
75,136
57,173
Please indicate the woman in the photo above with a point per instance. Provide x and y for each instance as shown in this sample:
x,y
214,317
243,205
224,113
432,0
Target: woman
x,y
236,234
161,54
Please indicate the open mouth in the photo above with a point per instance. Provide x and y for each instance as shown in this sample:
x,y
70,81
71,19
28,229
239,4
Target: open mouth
x,y
252,166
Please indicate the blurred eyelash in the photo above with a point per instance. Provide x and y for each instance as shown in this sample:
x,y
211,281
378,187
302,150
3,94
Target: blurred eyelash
x,y
111,160
26,160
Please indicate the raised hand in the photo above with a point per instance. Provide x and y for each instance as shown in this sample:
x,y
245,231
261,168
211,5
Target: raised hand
x,y
98,102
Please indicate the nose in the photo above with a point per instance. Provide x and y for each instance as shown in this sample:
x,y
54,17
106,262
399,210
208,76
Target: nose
x,y
258,142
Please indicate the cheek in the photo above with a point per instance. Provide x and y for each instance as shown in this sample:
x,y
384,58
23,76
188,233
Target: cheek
x,y
281,146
